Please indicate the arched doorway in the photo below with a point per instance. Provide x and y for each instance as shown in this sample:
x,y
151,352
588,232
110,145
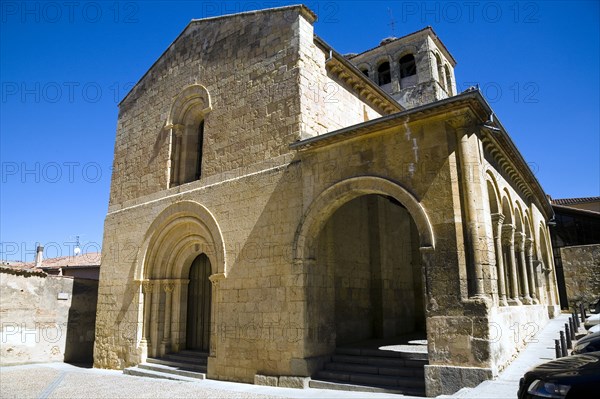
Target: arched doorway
x,y
199,305
369,262
180,267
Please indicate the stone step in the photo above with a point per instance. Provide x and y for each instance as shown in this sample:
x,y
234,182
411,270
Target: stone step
x,y
140,372
386,381
416,353
370,369
340,386
182,365
200,374
186,357
379,361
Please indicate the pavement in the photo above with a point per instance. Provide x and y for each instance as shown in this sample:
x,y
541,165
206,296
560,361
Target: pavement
x,y
62,380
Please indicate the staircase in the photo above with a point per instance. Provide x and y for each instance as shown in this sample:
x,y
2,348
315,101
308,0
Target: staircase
x,y
186,365
374,370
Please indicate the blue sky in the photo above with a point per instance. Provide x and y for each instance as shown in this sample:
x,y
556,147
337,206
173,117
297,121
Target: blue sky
x,y
65,65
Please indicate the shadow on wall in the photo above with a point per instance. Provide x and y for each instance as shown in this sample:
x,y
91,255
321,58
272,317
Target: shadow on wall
x,y
81,322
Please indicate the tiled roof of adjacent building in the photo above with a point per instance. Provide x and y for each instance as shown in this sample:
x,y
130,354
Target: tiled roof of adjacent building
x,y
83,260
89,259
573,201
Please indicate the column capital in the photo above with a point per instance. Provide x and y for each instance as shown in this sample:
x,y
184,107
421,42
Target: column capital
x,y
216,278
498,218
169,286
520,241
147,287
529,245
508,233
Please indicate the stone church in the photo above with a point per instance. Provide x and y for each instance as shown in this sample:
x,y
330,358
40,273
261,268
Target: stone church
x,y
274,203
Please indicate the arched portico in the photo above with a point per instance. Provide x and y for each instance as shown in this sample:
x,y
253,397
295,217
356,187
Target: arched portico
x,y
180,236
328,273
335,196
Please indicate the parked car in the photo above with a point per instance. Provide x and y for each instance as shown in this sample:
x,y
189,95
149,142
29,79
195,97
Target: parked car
x,y
592,321
594,329
595,306
569,377
589,343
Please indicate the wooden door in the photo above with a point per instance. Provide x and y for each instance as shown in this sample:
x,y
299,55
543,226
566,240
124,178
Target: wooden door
x,y
198,306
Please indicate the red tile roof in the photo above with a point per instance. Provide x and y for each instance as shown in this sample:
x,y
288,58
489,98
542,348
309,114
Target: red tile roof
x,y
573,201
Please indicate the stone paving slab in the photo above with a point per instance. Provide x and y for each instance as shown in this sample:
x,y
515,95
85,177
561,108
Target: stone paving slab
x,y
60,380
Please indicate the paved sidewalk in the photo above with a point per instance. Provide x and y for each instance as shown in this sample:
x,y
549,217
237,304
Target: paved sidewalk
x,y
60,380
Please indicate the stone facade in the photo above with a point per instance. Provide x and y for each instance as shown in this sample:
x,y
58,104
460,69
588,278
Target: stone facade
x,y
329,211
581,266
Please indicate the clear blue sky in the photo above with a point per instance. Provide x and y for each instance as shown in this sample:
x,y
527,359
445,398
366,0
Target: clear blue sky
x,y
65,66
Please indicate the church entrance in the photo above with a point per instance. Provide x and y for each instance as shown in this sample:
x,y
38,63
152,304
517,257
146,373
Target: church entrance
x,y
198,305
369,258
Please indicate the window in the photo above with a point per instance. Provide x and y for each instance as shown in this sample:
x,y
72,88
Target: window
x,y
408,71
408,67
440,70
385,76
365,72
448,80
186,157
186,123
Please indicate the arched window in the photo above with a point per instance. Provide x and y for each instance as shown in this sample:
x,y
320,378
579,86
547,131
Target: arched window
x,y
365,72
448,80
186,121
408,71
384,73
440,70
408,67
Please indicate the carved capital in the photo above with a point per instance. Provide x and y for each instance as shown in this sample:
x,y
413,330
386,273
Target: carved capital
x,y
508,234
529,246
498,218
216,278
520,241
169,287
147,287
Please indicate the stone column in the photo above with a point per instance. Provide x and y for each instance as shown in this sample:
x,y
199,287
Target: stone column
x,y
497,221
508,239
177,324
533,281
475,239
177,134
154,346
166,341
520,246
145,342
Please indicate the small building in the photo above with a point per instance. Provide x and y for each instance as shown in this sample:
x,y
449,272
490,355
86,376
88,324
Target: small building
x,y
48,309
576,248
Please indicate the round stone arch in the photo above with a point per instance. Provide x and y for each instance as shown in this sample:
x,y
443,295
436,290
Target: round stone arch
x,y
340,193
178,235
181,230
193,101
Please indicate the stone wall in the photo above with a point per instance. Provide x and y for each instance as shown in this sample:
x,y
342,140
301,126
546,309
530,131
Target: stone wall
x,y
581,268
46,318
